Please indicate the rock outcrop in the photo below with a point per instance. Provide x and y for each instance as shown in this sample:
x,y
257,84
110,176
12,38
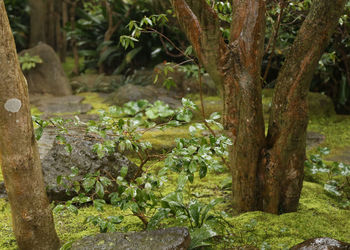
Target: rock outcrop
x,y
47,77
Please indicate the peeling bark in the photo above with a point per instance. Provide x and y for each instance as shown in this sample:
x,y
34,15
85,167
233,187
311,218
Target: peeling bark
x,y
32,217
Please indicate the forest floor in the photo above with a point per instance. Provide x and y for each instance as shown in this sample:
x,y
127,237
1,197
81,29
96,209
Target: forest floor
x,y
318,215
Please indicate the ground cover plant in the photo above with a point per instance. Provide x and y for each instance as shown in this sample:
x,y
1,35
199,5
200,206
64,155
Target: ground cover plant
x,y
319,213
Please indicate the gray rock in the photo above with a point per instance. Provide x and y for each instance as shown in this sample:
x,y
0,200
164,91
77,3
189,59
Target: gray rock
x,y
130,92
322,244
313,139
98,83
177,238
57,161
141,77
60,105
47,77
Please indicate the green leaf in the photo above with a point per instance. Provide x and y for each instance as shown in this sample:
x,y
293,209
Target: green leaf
x,y
161,214
215,116
99,190
124,171
181,181
116,219
88,183
200,235
38,133
98,204
105,181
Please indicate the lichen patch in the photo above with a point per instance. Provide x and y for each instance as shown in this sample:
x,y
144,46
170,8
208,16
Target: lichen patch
x,y
13,105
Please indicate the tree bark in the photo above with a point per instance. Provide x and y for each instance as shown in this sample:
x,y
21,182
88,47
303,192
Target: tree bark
x,y
286,140
267,173
37,22
31,213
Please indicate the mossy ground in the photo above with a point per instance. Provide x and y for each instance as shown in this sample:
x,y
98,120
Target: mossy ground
x,y
318,215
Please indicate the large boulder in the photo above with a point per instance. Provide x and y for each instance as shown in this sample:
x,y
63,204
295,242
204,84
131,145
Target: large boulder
x,y
130,92
56,161
97,83
322,244
320,105
177,238
47,77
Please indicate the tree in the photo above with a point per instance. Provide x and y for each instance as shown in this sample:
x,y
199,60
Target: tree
x,y
38,22
267,171
31,213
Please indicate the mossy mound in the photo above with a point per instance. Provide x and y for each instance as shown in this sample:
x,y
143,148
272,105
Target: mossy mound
x,y
317,216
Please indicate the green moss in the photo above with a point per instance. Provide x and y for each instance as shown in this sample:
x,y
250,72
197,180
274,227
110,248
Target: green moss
x,y
336,130
317,216
96,101
68,65
71,227
165,139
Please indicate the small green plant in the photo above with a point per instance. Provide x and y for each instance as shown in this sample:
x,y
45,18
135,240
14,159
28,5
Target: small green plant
x,y
336,175
29,62
121,129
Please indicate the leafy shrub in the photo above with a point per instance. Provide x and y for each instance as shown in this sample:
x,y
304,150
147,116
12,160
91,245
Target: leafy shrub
x,y
121,128
336,176
29,62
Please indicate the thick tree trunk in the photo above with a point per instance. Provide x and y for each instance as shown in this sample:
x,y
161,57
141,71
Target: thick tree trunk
x,y
286,138
244,114
31,213
37,22
267,173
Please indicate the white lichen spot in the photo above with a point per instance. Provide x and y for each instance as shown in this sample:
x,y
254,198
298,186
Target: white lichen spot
x,y
13,105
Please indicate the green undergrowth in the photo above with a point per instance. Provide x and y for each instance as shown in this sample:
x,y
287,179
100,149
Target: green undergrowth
x,y
318,215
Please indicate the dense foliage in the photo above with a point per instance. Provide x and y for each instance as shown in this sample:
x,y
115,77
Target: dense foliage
x,y
92,17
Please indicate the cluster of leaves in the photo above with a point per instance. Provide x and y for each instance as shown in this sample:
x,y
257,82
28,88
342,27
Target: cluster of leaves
x,y
18,14
92,23
139,192
337,176
29,62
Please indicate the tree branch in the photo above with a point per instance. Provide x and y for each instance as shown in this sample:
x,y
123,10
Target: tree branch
x,y
201,25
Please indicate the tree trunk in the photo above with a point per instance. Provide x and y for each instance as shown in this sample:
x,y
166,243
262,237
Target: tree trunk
x,y
73,41
286,140
37,22
31,213
267,173
63,53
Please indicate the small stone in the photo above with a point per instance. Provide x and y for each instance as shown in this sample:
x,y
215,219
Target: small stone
x,y
322,244
176,238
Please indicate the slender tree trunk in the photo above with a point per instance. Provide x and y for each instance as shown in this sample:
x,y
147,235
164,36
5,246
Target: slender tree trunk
x,y
50,23
63,53
267,173
37,22
73,41
31,213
